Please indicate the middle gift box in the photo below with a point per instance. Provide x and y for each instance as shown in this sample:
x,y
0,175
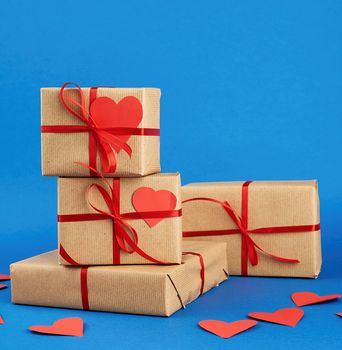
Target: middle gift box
x,y
112,221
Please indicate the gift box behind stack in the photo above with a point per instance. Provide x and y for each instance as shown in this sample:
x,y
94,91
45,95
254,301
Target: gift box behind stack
x,y
118,217
272,228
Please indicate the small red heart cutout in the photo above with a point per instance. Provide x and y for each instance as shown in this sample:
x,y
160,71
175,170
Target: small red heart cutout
x,y
2,320
3,286
146,199
65,326
127,113
4,277
308,298
288,316
224,329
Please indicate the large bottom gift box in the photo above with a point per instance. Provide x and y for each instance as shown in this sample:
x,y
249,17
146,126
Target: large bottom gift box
x,y
138,289
272,228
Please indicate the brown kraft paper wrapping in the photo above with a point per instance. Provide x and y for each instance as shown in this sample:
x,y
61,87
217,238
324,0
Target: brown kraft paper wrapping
x,y
61,150
140,289
91,242
270,204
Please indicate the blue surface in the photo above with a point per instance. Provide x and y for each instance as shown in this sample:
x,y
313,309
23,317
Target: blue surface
x,y
251,90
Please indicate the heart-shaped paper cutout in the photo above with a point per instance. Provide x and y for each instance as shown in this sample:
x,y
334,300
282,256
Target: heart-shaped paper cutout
x,y
3,286
146,199
308,298
226,330
65,326
2,320
4,277
288,316
127,113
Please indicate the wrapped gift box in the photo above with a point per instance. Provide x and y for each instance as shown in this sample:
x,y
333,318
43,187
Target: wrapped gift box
x,y
124,221
120,122
140,289
271,227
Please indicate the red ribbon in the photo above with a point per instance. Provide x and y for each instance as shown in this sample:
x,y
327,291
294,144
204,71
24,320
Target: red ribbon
x,y
249,247
103,139
84,288
84,280
202,272
125,236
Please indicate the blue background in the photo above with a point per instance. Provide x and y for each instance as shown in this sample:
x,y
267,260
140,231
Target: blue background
x,y
250,90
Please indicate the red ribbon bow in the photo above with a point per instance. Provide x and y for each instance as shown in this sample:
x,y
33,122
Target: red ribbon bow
x,y
249,247
106,140
125,236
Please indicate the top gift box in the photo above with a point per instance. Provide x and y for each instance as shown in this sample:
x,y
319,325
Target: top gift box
x,y
113,130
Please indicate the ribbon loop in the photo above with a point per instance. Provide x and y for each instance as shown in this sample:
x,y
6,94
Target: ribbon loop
x,y
82,116
106,139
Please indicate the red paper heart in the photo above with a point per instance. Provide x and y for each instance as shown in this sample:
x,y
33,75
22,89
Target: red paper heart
x,y
2,320
288,316
147,199
308,298
3,286
65,326
226,330
127,113
4,277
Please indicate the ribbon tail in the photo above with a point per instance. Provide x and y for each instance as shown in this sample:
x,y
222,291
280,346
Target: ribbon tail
x,y
63,253
121,235
251,251
244,256
276,257
116,142
139,251
107,156
109,145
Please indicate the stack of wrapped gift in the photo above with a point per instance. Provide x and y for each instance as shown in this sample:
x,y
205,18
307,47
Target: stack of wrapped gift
x,y
120,222
114,208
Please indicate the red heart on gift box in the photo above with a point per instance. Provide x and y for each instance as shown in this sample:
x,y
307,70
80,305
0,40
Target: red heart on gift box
x,y
339,314
65,326
147,199
288,316
226,330
3,286
127,113
308,298
4,277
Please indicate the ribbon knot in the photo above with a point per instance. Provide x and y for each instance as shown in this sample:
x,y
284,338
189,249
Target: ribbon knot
x,y
248,244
